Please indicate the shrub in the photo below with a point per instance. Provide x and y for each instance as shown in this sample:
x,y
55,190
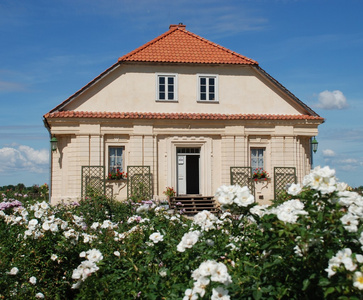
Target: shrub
x,y
305,246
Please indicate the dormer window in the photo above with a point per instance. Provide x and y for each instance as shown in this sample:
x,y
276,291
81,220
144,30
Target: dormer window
x,y
207,88
166,87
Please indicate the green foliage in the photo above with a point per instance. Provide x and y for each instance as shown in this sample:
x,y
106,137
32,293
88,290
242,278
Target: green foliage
x,y
268,254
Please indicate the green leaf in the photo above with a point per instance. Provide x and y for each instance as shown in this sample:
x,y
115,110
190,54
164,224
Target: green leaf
x,y
257,294
306,284
324,282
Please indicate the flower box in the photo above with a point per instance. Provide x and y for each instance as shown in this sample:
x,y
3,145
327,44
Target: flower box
x,y
116,176
260,179
260,174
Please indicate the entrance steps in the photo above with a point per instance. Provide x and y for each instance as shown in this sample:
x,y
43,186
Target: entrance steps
x,y
193,204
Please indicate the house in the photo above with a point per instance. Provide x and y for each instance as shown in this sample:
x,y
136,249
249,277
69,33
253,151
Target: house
x,y
182,112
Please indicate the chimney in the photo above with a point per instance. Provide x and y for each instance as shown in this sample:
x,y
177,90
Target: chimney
x,y
180,25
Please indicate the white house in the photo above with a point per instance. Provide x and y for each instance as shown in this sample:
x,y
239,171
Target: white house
x,y
181,112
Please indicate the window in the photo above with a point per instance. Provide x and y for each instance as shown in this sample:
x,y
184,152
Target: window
x,y
207,88
116,159
166,87
257,160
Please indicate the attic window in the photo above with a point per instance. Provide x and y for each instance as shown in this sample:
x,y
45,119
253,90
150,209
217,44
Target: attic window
x,y
166,87
207,88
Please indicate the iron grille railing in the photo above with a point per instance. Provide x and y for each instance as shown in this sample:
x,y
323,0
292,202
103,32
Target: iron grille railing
x,y
139,185
283,177
242,176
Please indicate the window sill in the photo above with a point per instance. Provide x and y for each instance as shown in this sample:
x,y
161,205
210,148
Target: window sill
x,y
171,101
208,101
115,180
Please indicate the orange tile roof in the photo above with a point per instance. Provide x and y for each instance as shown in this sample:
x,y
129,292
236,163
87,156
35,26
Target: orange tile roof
x,y
176,116
179,45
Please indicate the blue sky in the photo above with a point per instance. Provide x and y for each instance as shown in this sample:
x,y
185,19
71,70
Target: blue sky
x,y
50,49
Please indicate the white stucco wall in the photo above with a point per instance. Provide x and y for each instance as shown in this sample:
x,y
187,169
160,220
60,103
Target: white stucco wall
x,y
132,88
223,143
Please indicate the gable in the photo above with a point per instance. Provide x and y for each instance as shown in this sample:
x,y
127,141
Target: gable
x,y
132,87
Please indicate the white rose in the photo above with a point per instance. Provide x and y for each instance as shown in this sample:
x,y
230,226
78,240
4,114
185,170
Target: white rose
x,y
13,271
294,189
156,237
33,280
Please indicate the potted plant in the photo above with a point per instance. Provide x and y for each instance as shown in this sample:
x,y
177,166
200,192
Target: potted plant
x,y
260,174
170,192
116,175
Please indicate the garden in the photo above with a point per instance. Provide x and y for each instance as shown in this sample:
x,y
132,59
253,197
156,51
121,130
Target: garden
x,y
306,245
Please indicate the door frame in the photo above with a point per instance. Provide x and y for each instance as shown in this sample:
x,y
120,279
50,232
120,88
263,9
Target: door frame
x,y
205,162
185,155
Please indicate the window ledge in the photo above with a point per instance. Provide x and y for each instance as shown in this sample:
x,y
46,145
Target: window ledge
x,y
115,180
208,101
172,101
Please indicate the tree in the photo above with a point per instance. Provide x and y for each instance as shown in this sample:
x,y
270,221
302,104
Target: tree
x,y
20,187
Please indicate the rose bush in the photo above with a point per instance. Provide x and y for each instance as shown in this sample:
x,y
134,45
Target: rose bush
x,y
307,246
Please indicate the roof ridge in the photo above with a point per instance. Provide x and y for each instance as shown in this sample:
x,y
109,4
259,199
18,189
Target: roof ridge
x,y
181,28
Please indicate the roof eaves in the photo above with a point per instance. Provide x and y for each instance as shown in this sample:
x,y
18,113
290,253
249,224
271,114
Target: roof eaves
x,y
86,87
284,89
178,116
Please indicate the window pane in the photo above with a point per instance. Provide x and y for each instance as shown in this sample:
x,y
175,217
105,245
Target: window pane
x,y
170,96
162,88
170,88
161,80
112,152
162,96
207,88
115,159
257,159
170,80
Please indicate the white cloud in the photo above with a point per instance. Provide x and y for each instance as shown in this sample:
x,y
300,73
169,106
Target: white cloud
x,y
332,100
7,86
37,156
348,161
348,168
328,153
23,159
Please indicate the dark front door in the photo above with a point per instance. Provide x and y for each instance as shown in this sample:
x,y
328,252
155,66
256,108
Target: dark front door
x,y
192,174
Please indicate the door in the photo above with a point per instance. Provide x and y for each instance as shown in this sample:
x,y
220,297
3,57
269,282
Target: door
x,y
188,170
182,175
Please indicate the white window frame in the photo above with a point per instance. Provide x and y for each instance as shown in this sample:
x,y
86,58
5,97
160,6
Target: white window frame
x,y
259,164
109,157
207,100
175,90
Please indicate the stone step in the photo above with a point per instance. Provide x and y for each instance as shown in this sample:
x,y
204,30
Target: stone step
x,y
194,204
